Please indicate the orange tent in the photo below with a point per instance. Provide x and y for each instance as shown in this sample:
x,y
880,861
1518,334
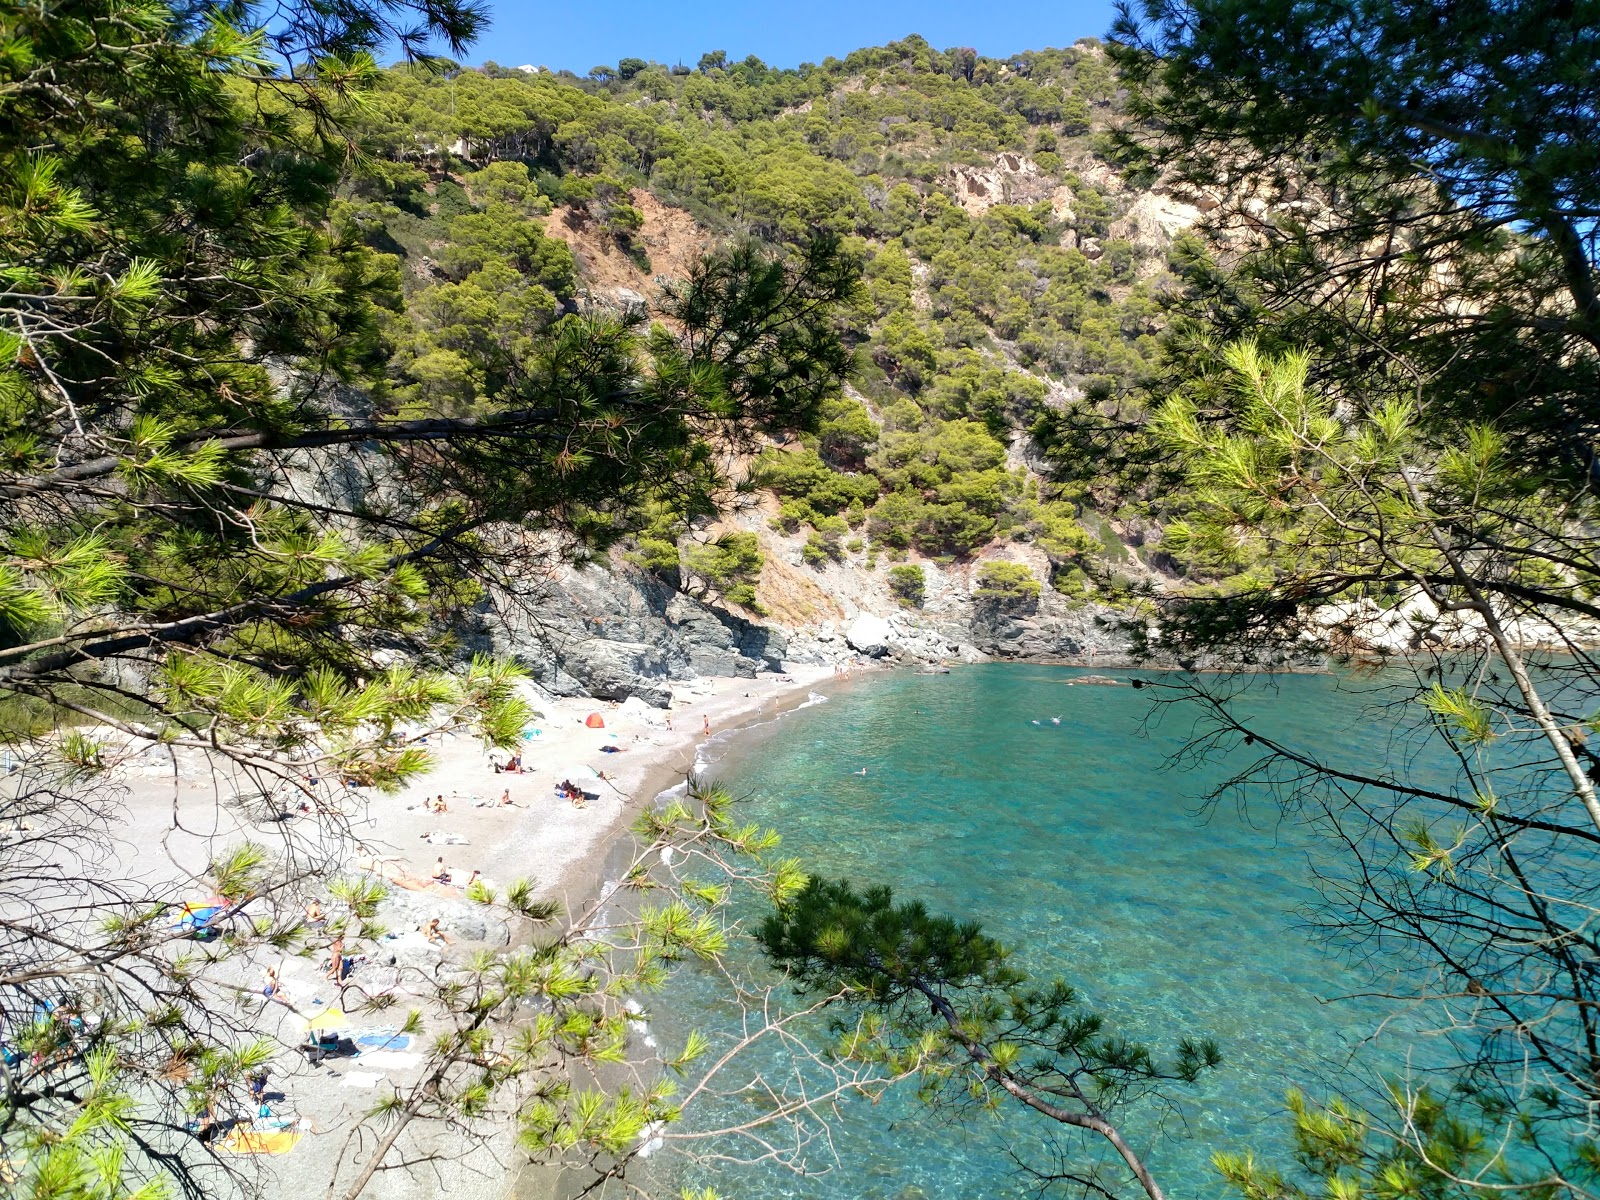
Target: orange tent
x,y
595,721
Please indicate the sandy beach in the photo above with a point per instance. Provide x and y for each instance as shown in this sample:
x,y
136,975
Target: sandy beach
x,y
179,811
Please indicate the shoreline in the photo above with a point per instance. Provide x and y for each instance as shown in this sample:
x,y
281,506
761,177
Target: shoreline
x,y
583,880
178,810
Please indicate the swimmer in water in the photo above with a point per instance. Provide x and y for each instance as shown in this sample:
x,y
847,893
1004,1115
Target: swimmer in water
x,y
863,771
1055,720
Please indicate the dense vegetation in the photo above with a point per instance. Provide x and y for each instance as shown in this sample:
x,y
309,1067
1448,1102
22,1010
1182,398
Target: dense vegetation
x,y
294,371
971,314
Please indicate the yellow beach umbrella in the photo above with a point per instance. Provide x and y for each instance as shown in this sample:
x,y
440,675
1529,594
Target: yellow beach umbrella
x,y
329,1020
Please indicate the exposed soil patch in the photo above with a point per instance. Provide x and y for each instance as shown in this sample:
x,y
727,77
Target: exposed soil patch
x,y
669,237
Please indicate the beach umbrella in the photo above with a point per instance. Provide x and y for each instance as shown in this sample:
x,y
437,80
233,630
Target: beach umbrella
x,y
595,721
329,1020
196,915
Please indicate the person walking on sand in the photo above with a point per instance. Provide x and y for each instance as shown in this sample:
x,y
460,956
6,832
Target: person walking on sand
x,y
705,725
336,960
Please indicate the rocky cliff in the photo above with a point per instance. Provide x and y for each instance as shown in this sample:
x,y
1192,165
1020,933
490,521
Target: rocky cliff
x,y
612,631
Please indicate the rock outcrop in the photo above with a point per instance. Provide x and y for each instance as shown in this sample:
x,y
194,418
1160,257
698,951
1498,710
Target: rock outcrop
x,y
613,632
870,635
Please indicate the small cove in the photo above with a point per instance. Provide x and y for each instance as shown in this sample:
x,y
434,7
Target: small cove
x,y
1081,846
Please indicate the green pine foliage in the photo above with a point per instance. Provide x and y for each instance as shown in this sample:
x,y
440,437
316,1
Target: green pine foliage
x,y
908,583
927,997
1006,585
731,565
965,314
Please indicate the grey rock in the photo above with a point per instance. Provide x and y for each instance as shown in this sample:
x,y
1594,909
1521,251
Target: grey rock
x,y
617,670
870,635
402,912
616,632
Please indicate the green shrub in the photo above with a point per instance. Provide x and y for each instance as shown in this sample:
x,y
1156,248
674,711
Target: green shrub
x,y
804,476
731,565
908,585
847,433
1006,584
893,519
819,549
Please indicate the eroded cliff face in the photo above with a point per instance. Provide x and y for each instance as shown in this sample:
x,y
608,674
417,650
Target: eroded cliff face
x,y
612,631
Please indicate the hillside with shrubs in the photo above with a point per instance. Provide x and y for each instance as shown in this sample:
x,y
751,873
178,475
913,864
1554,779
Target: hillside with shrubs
x,y
1013,278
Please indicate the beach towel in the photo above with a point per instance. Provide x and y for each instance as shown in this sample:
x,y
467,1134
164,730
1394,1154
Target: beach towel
x,y
390,1060
412,883
361,1079
383,1040
261,1141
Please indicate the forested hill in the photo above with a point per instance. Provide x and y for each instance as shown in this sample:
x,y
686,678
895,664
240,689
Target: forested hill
x,y
1013,273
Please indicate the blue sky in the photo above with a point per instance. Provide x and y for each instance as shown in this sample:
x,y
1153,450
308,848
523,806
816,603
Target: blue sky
x,y
785,33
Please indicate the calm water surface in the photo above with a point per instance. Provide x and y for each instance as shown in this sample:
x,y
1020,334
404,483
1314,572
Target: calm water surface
x,y
1078,844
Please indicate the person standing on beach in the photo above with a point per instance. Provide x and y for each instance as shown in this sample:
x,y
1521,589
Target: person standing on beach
x,y
705,724
336,960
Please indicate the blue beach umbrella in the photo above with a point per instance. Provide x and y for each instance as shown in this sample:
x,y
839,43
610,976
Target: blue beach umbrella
x,y
196,916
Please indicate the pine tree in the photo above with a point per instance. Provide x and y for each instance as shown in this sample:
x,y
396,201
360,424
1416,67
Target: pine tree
x,y
1379,391
219,536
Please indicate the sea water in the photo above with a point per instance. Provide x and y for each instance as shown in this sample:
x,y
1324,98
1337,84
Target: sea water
x,y
1054,814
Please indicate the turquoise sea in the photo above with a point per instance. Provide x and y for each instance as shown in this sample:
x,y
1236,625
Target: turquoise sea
x,y
1080,844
